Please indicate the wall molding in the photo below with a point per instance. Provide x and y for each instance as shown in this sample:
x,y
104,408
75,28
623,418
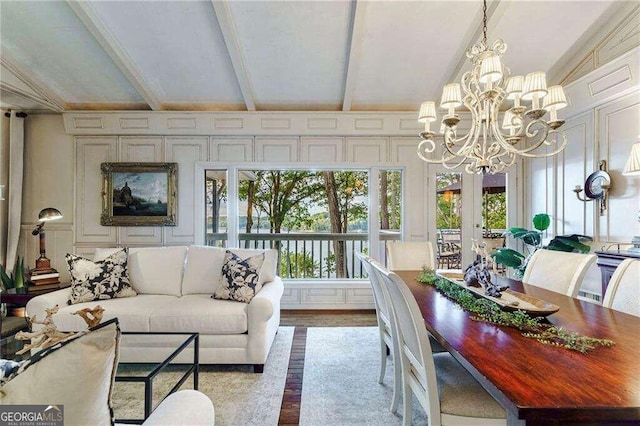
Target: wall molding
x,y
611,81
241,123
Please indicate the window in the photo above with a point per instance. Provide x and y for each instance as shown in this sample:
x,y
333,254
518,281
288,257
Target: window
x,y
316,219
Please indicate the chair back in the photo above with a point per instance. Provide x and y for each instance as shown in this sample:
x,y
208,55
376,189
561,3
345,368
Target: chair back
x,y
623,292
558,271
378,295
410,255
415,349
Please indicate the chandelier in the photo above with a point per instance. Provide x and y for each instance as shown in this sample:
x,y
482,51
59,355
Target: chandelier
x,y
490,145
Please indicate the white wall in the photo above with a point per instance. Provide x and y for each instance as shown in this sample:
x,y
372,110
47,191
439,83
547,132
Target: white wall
x,y
602,123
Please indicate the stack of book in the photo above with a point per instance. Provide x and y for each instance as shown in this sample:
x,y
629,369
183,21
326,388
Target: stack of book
x,y
44,280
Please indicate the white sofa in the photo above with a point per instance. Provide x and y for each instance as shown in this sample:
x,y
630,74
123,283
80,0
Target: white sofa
x,y
174,286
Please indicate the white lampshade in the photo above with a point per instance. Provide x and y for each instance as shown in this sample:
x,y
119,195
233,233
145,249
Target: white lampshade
x,y
490,69
427,112
508,122
535,83
514,86
451,96
633,163
555,98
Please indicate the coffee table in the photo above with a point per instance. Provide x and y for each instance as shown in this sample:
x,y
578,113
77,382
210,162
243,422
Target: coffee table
x,y
145,372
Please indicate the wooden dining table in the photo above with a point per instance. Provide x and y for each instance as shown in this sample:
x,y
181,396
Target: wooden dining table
x,y
536,383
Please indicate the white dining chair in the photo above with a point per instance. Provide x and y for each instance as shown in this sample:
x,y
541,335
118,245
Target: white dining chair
x,y
447,392
623,291
410,255
386,330
558,271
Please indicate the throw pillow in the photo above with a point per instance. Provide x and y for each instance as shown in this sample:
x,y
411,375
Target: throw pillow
x,y
76,374
104,279
240,277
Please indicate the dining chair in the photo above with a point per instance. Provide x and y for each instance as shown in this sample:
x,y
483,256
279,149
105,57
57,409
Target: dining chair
x,y
386,330
623,291
447,392
410,255
558,271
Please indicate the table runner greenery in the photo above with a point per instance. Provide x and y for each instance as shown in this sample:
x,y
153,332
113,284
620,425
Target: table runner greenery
x,y
482,309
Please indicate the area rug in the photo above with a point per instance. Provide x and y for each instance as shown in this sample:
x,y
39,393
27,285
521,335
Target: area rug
x,y
239,396
340,383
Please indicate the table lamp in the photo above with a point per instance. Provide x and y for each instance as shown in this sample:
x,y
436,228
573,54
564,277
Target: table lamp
x,y
45,215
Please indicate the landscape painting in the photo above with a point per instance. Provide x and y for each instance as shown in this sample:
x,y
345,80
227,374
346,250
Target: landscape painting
x,y
138,194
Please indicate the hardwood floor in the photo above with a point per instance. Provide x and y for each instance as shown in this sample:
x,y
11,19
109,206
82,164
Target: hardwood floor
x,y
302,319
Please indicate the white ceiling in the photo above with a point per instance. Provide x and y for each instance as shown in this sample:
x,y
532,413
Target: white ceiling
x,y
272,55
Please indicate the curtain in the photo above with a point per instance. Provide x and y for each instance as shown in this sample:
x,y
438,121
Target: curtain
x,y
13,193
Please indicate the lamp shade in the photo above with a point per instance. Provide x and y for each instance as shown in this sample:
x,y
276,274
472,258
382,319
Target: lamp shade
x,y
514,86
633,163
451,96
535,83
427,112
555,98
508,122
490,69
48,214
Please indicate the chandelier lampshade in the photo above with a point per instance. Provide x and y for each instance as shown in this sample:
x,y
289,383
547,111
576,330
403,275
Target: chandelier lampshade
x,y
506,115
490,70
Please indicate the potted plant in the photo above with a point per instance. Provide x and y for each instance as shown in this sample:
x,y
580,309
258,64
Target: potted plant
x,y
15,280
532,240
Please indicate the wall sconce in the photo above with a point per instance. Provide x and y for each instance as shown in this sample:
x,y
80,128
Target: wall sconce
x,y
596,187
46,215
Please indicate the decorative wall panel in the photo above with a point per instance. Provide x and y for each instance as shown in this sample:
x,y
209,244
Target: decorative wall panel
x,y
90,153
321,150
231,149
367,149
284,149
185,151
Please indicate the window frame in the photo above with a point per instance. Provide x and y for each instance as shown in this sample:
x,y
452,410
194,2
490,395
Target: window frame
x,y
233,168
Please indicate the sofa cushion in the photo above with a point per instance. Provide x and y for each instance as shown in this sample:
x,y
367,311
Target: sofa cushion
x,y
61,377
99,280
239,277
199,312
154,270
133,312
203,272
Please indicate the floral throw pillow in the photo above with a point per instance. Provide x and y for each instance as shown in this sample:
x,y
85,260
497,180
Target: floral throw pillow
x,y
239,277
104,279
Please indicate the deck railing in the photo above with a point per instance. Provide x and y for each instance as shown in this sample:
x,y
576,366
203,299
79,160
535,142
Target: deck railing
x,y
309,255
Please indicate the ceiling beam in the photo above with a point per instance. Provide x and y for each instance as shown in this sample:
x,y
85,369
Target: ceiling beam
x,y
223,15
495,11
38,91
105,38
355,46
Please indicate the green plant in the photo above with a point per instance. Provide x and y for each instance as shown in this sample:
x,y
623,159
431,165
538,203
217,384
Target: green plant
x,y
533,241
16,278
533,327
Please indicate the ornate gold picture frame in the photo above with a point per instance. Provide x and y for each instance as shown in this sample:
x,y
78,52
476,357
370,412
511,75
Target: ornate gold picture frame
x,y
139,194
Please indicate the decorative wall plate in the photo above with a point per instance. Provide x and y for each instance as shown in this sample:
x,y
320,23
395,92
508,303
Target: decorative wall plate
x,y
593,185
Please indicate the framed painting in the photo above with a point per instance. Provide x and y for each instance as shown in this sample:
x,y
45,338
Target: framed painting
x,y
139,194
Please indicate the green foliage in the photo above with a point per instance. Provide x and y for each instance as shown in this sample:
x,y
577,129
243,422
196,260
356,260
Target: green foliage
x,y
486,310
541,222
533,241
298,265
16,278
